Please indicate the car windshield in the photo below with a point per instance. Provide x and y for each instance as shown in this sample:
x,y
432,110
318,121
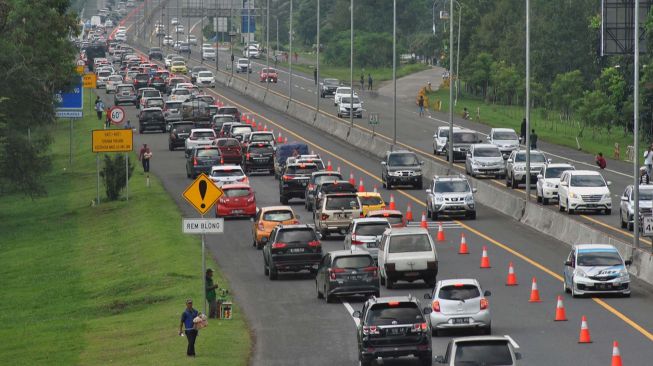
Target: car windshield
x,y
201,134
228,142
241,130
183,127
104,73
205,74
645,194
236,192
505,135
555,172
227,173
231,111
459,292
264,149
126,89
297,169
393,313
178,63
487,153
371,228
142,77
262,137
223,119
393,219
344,91
370,200
296,235
331,82
181,92
347,100
277,216
353,262
455,186
326,178
486,353
155,103
444,133
151,94
341,203
465,137
409,243
173,105
152,115
269,71
208,153
587,181
535,158
403,159
599,259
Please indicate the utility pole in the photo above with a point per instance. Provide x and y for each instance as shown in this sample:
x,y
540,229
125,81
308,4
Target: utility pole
x,y
267,42
636,128
450,142
290,56
528,100
394,72
351,63
317,60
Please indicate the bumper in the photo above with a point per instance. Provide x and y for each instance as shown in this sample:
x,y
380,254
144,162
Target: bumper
x,y
296,262
575,204
427,275
479,320
459,209
333,226
207,83
489,171
232,159
345,113
196,170
177,142
293,192
521,177
421,350
588,286
348,290
550,193
414,180
459,155
253,165
151,125
246,211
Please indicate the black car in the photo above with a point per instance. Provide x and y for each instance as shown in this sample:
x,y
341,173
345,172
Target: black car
x,y
179,132
328,186
328,87
141,80
462,140
294,180
393,327
401,167
155,53
201,159
231,110
259,156
316,179
158,83
346,273
151,119
291,248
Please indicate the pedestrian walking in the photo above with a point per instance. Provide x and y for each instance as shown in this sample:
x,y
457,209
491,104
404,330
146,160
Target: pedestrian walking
x,y
315,75
600,161
522,132
99,108
211,296
144,156
369,81
648,161
296,56
362,82
107,120
187,327
128,125
533,140
420,105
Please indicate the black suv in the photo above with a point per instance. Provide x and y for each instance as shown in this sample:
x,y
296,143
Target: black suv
x,y
155,53
230,110
291,248
345,273
294,181
201,159
462,140
316,179
401,167
141,80
328,87
259,156
393,327
179,132
151,119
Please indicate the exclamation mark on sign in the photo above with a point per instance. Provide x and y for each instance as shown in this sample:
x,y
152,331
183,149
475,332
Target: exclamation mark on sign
x,y
202,188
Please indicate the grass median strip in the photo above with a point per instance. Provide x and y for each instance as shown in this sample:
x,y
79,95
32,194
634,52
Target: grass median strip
x,y
102,285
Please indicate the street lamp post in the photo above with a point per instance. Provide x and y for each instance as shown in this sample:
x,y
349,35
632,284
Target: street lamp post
x,y
450,142
317,61
394,72
528,100
201,42
290,56
267,42
351,64
458,42
636,127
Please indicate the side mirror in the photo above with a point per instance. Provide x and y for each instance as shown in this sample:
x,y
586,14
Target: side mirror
x,y
564,184
474,190
319,235
548,161
439,359
540,176
421,163
509,161
488,138
428,191
487,293
609,183
426,311
518,355
357,314
383,163
505,156
427,296
624,199
568,263
628,262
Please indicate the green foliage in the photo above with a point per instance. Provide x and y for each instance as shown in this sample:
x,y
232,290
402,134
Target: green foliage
x,y
114,173
370,50
595,110
566,90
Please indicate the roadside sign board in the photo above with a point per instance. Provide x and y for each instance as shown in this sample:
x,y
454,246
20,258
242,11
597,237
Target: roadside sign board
x,y
374,118
70,102
203,226
117,115
202,193
69,114
113,140
89,80
80,68
647,225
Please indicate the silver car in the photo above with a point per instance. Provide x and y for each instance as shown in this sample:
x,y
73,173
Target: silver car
x,y
481,350
486,160
440,139
335,212
596,268
505,139
460,303
516,167
627,209
365,234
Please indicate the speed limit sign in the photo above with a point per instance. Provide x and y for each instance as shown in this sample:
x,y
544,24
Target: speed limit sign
x,y
116,115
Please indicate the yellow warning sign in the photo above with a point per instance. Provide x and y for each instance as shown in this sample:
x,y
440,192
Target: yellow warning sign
x,y
79,69
118,140
202,193
89,80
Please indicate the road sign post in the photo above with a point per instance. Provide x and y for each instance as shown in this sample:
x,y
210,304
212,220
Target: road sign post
x,y
117,115
374,121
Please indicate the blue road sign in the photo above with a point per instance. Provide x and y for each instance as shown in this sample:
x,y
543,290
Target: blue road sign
x,y
70,99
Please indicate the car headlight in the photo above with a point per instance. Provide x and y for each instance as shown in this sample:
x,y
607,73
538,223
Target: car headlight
x,y
469,198
418,172
581,273
550,185
573,195
520,168
457,149
439,199
623,273
607,196
393,174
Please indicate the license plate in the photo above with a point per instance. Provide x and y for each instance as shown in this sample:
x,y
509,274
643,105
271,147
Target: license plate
x,y
237,211
603,286
371,245
460,320
125,94
411,274
296,250
354,278
395,331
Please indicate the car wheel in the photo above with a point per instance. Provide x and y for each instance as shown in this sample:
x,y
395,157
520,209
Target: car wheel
x,y
560,207
273,273
472,215
630,226
569,210
507,182
330,299
487,330
539,198
419,185
573,290
621,220
170,147
564,285
325,234
435,332
364,361
283,200
140,131
266,270
319,294
545,201
513,183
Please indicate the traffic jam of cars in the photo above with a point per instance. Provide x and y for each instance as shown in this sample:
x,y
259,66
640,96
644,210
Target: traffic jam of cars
x,y
381,247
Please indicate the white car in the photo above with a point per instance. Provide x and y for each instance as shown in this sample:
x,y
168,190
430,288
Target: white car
x,y
627,207
243,65
192,39
199,137
549,180
596,268
120,36
251,52
227,174
168,59
345,107
505,139
208,52
460,304
174,21
102,77
205,78
440,139
407,254
108,23
343,91
179,94
365,233
584,190
179,28
168,41
112,83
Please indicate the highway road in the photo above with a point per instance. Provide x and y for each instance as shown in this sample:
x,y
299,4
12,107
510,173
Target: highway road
x,y
414,132
291,326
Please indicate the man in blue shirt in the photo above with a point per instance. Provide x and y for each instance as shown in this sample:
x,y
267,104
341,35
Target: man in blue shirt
x,y
187,323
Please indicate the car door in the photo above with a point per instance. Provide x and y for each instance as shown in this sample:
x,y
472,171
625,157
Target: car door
x,y
381,254
511,161
320,278
563,188
469,158
256,221
625,202
569,270
266,249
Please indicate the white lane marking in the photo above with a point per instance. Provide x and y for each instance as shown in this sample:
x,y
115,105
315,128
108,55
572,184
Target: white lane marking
x,y
302,88
296,86
195,25
351,312
309,90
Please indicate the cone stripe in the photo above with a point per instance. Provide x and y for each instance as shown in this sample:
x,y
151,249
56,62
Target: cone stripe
x,y
616,354
423,223
511,280
409,212
561,315
440,232
392,202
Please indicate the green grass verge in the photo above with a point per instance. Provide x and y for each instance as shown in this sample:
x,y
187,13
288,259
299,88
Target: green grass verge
x,y
547,125
102,285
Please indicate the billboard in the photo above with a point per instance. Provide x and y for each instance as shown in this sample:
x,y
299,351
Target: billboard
x,y
617,26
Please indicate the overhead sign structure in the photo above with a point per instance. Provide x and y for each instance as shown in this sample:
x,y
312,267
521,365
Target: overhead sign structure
x,y
90,80
70,102
113,140
202,193
117,115
203,226
618,23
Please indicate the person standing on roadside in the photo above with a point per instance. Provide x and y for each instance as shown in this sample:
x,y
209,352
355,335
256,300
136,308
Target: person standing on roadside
x,y
369,81
648,161
600,161
144,156
362,82
211,296
522,132
186,326
420,105
99,108
315,75
533,140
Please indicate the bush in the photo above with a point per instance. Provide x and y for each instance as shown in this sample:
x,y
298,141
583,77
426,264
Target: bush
x,y
113,174
370,50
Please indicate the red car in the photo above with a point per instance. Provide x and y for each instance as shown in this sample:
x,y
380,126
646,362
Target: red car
x,y
269,75
232,152
238,200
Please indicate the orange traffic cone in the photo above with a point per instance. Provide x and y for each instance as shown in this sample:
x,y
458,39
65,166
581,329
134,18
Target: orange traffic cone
x,y
423,223
392,202
440,232
361,187
409,213
285,140
616,355
561,315
245,119
485,260
253,123
260,127
463,245
279,139
329,167
265,128
512,278
376,189
584,332
535,293
351,178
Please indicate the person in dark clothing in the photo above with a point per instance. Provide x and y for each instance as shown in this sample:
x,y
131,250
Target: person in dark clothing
x,y
211,296
369,81
600,161
99,108
420,105
144,156
186,326
533,140
362,82
315,75
522,132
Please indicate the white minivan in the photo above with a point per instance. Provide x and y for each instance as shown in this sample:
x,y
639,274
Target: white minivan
x,y
407,254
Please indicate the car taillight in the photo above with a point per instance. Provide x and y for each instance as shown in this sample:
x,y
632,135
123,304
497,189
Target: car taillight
x,y
389,267
484,304
311,187
324,216
314,243
294,222
420,327
286,178
261,226
436,306
374,270
334,271
354,241
247,156
250,199
279,245
372,329
194,161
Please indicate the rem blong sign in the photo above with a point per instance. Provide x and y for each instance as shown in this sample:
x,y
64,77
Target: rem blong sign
x,y
203,226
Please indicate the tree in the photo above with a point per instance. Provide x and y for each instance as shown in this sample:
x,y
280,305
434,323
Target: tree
x,y
595,110
113,172
566,90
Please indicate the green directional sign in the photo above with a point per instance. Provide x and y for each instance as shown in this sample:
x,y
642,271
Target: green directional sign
x,y
374,119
